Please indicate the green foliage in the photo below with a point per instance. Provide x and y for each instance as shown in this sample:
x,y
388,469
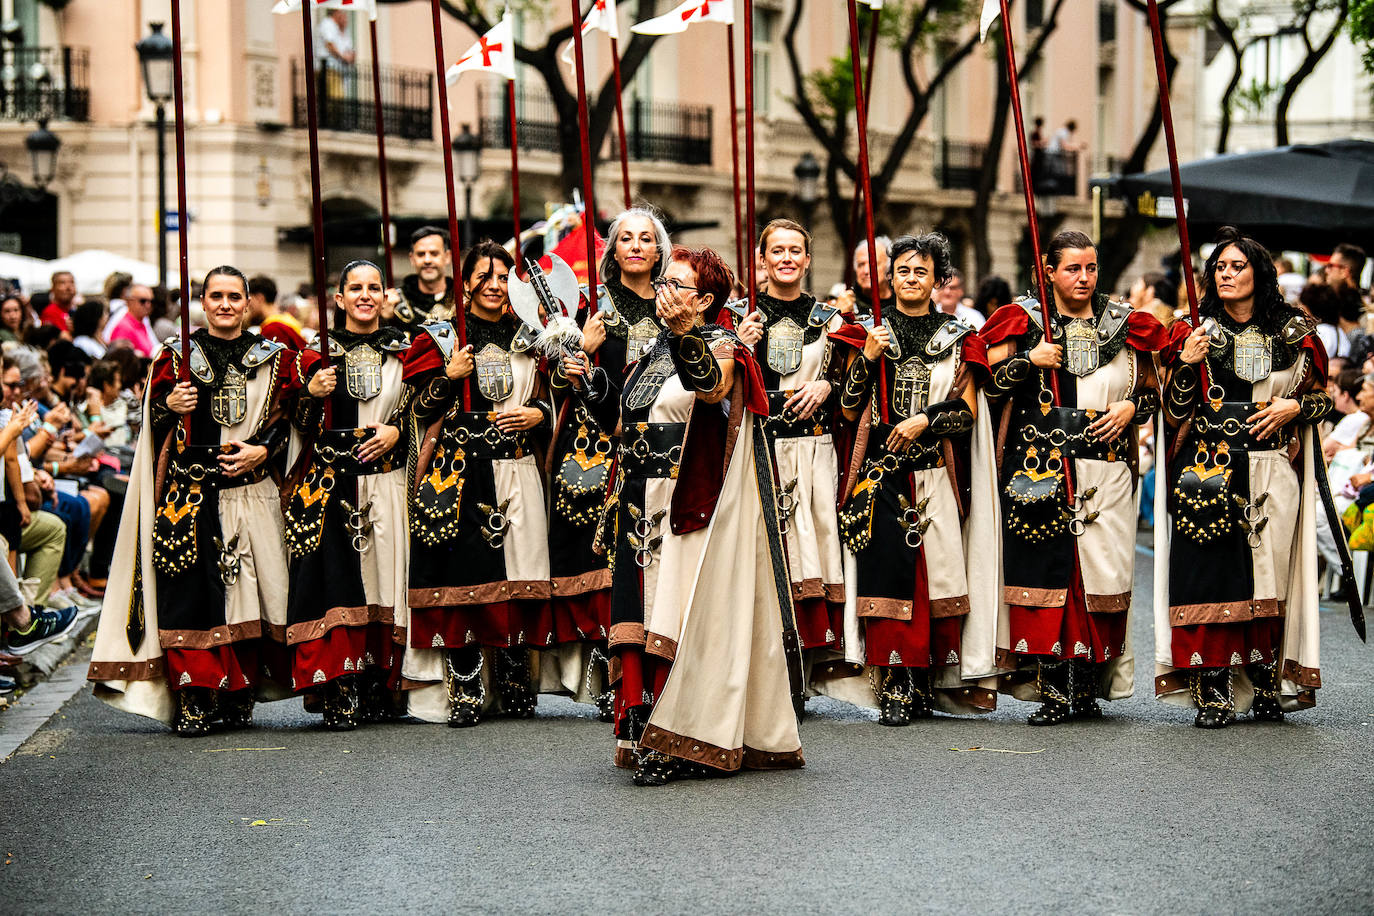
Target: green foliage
x,y
1361,25
1253,98
831,91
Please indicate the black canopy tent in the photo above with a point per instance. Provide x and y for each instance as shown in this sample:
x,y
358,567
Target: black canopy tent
x,y
1306,197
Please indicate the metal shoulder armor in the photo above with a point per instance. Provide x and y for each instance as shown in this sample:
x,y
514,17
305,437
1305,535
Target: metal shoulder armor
x,y
946,336
443,335
1113,321
1296,328
821,313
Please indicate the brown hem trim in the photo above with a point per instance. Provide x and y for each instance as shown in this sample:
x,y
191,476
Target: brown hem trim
x,y
570,586
718,758
486,593
949,607
1172,682
1035,597
625,758
274,631
808,589
1108,604
1187,615
1303,677
339,617
660,645
626,634
151,670
223,635
408,684
1007,660
773,760
835,594
977,697
887,608
836,670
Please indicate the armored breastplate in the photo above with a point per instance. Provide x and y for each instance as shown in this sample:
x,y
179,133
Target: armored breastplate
x,y
785,341
495,379
229,403
651,379
911,387
363,373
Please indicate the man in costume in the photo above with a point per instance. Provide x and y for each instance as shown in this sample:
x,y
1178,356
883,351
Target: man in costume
x,y
426,295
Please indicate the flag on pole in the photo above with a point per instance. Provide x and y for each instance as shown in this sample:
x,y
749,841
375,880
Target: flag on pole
x,y
686,14
494,52
353,6
601,16
991,10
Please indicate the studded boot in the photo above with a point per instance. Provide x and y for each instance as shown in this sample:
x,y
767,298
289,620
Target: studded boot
x,y
1052,679
342,703
604,700
195,709
1085,680
236,708
466,693
922,693
514,678
378,700
1210,689
895,700
1265,678
656,768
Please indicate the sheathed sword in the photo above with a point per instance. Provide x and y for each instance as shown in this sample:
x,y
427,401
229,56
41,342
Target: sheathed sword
x,y
1349,590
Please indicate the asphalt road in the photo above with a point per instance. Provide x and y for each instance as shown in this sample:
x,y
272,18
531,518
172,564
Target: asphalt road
x,y
1138,813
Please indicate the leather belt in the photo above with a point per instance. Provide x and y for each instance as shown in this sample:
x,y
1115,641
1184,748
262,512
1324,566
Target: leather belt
x,y
200,464
783,424
922,456
338,449
1227,424
652,449
480,437
1065,429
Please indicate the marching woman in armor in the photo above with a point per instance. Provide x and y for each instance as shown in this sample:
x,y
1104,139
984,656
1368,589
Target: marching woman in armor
x,y
479,561
201,569
920,517
699,583
581,458
796,340
1068,564
345,507
1236,628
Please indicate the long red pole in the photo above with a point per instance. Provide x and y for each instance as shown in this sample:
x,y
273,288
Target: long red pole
x,y
316,200
179,107
446,152
1027,184
1180,217
865,185
381,155
749,225
873,23
584,131
620,123
740,244
514,169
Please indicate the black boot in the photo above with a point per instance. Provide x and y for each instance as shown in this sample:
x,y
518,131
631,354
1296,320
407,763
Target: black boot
x,y
195,709
656,768
236,709
1210,689
894,696
1052,680
605,701
922,693
378,700
1265,678
1085,681
342,703
513,678
466,692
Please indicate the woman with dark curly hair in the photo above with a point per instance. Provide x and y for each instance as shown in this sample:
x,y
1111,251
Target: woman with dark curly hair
x,y
1237,627
699,588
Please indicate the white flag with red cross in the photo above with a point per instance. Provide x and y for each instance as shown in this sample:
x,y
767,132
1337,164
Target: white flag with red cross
x,y
494,52
688,13
353,6
602,17
992,9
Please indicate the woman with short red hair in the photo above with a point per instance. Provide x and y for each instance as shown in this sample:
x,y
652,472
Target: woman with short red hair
x,y
699,586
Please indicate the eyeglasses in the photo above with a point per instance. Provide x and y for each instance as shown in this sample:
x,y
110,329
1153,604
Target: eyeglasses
x,y
669,282
141,299
12,386
1234,267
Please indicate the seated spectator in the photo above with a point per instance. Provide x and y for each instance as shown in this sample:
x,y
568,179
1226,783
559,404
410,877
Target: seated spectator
x,y
88,326
42,336
135,326
1324,305
1347,391
105,404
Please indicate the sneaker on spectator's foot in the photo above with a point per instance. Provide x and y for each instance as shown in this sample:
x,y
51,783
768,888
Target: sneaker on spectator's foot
x,y
8,685
46,626
70,597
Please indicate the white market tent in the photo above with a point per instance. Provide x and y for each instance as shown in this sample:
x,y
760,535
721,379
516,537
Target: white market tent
x,y
32,273
91,267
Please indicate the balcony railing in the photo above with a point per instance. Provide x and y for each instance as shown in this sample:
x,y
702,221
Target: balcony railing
x,y
959,164
345,100
45,84
661,131
1054,173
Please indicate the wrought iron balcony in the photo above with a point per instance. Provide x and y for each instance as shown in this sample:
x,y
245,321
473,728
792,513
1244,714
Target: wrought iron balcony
x,y
346,101
959,164
655,131
45,84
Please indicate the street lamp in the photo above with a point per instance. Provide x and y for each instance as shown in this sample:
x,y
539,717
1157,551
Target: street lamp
x,y
467,147
808,173
155,56
43,145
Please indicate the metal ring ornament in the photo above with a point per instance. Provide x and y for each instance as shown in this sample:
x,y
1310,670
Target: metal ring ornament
x,y
1058,437
1077,526
1223,452
581,443
603,445
913,537
197,472
195,497
1054,464
1046,398
1216,393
